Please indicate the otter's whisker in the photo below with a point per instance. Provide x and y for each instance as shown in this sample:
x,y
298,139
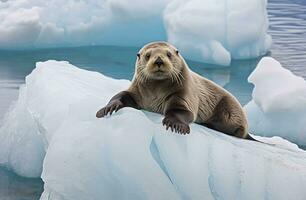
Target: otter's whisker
x,y
177,77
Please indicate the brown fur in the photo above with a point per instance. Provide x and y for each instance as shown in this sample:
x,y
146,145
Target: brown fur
x,y
210,104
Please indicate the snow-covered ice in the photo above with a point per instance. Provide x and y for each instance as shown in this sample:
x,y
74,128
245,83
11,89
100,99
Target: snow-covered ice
x,y
205,30
39,23
216,31
278,107
52,129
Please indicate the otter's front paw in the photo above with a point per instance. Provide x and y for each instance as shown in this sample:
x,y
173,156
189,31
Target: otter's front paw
x,y
112,106
176,125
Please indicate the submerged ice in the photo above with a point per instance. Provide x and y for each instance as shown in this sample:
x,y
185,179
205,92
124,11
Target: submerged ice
x,y
52,129
205,30
279,102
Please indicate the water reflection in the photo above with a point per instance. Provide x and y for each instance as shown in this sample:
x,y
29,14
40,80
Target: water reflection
x,y
13,187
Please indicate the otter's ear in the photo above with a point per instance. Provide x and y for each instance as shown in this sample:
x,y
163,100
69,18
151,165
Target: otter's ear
x,y
138,55
177,52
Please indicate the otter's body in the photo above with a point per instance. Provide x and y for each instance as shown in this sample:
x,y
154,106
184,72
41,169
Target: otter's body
x,y
163,83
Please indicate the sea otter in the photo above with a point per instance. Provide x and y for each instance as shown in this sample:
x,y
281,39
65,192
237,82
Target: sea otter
x,y
163,83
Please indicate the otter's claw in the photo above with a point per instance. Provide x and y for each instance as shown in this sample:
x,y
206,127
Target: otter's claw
x,y
110,108
176,125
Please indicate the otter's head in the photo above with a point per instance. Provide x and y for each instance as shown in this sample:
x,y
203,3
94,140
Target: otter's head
x,y
158,61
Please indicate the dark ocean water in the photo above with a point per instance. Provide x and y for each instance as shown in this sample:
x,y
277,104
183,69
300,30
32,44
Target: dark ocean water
x,y
288,30
287,27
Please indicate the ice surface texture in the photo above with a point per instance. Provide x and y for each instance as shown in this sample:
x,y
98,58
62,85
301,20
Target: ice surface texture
x,y
279,102
206,30
130,155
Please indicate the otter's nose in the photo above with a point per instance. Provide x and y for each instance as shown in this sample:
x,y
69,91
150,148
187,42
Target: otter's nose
x,y
159,62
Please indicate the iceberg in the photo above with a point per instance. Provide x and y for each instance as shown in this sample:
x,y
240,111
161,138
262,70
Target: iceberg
x,y
52,132
211,30
278,107
28,24
205,30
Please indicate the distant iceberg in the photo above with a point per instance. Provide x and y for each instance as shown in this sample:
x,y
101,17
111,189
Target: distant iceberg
x,y
217,31
52,129
279,102
205,30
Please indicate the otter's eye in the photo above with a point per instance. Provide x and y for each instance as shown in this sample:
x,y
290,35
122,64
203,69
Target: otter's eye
x,y
169,54
148,56
138,55
177,52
